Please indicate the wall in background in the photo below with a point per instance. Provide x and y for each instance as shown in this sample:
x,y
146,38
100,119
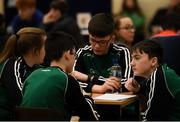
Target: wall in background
x,y
1,6
92,6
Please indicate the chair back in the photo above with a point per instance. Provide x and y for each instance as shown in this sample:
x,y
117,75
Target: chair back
x,y
37,113
171,49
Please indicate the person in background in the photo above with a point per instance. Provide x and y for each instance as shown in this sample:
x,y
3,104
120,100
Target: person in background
x,y
124,35
21,54
96,60
171,24
124,31
28,15
169,38
155,25
53,86
131,9
162,87
57,19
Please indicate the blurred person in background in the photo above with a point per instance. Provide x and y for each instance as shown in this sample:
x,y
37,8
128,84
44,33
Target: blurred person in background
x,y
171,24
155,25
124,31
169,38
132,9
57,19
28,15
21,55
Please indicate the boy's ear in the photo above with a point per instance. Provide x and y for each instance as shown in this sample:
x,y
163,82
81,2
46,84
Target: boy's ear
x,y
154,61
67,55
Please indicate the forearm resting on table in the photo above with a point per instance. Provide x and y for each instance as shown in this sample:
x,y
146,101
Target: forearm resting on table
x,y
98,89
80,76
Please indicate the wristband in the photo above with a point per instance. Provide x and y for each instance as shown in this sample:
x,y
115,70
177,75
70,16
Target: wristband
x,y
93,79
89,78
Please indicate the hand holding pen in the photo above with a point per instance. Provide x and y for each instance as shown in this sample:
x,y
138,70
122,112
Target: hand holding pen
x,y
111,84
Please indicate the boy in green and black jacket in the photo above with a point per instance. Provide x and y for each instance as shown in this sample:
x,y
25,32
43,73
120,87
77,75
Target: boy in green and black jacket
x,y
97,59
162,88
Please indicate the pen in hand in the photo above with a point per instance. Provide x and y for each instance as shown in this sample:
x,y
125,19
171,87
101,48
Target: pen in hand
x,y
104,79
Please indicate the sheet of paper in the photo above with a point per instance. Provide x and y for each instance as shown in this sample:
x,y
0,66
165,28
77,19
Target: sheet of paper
x,y
114,97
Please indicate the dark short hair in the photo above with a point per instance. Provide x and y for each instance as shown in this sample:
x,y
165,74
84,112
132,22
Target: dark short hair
x,y
101,25
57,43
171,21
60,5
151,48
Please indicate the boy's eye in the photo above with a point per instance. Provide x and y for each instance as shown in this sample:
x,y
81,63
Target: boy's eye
x,y
137,57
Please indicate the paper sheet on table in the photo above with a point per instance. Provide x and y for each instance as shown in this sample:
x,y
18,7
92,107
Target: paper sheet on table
x,y
113,97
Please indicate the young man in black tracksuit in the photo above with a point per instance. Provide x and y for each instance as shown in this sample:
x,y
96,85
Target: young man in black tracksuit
x,y
162,88
95,60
